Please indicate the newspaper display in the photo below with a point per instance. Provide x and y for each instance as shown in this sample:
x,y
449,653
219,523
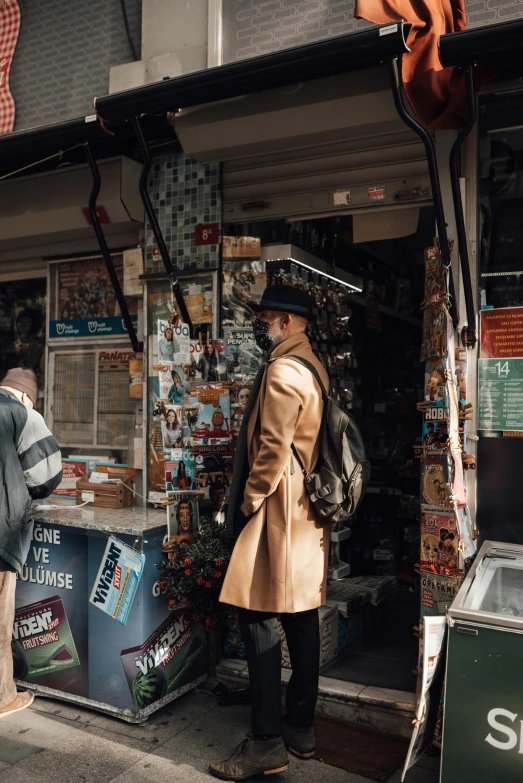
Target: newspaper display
x,y
117,580
243,356
72,470
434,634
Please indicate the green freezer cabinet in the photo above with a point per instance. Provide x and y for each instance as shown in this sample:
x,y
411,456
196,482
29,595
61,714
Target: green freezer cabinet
x,y
483,719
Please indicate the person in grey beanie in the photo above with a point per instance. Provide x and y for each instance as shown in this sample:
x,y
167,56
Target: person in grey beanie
x,y
30,469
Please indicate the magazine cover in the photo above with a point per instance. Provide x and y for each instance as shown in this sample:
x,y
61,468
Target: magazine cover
x,y
244,279
182,516
435,487
175,430
439,541
173,386
213,477
244,358
240,393
174,344
435,381
208,361
210,414
437,592
435,429
180,470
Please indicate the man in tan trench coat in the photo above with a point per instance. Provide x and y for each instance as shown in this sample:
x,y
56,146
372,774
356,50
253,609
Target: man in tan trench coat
x,y
279,563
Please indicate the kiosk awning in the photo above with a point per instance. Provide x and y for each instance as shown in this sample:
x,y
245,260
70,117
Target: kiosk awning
x,y
299,64
499,45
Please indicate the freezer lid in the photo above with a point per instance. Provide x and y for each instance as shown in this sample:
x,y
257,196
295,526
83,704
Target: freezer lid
x,y
492,592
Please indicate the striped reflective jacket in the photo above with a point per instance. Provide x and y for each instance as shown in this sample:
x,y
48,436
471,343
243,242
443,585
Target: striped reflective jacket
x,y
30,469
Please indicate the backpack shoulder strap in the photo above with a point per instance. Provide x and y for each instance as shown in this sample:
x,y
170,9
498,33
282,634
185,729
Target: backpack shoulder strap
x,y
310,367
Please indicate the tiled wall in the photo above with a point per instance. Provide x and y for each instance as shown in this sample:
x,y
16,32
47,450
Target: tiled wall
x,y
185,193
64,53
254,27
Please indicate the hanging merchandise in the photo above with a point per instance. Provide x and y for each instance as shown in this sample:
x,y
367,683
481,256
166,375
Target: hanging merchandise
x,y
243,356
447,538
208,361
180,470
182,516
173,343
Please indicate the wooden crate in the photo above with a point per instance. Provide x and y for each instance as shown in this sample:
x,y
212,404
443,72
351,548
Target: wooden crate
x,y
105,495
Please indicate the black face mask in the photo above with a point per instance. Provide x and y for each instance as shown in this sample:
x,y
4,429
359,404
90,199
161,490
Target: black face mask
x,y
261,334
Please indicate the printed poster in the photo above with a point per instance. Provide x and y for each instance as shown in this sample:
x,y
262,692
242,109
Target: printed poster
x,y
502,333
174,656
240,393
86,304
117,580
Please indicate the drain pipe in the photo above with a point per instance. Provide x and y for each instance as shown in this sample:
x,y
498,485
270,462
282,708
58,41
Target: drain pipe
x,y
430,150
155,226
93,214
469,334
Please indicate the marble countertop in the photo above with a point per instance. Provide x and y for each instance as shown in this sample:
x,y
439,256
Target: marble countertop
x,y
130,521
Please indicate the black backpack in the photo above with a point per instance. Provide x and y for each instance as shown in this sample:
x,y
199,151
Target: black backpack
x,y
338,482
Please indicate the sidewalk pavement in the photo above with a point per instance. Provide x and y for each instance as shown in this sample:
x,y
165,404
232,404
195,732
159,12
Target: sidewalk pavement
x,y
53,742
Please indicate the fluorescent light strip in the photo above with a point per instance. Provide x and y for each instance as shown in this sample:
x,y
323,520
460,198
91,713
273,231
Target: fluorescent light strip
x,y
318,271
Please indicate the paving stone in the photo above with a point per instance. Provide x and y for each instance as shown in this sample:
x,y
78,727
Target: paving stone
x,y
213,735
84,754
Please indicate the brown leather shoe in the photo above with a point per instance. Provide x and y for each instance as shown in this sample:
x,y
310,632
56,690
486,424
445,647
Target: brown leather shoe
x,y
20,702
300,741
253,757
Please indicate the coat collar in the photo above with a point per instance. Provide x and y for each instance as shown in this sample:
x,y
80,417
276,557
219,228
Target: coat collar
x,y
295,343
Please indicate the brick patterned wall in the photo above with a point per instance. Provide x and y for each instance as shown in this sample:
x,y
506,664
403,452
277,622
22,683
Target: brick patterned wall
x,y
254,27
185,193
63,56
483,12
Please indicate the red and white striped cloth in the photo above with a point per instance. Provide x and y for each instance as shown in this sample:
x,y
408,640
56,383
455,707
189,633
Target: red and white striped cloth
x,y
9,29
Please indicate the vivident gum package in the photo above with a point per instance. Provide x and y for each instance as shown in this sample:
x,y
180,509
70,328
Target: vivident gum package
x,y
42,640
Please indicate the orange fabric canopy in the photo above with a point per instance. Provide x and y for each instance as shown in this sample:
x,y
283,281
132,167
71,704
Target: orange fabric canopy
x,y
436,94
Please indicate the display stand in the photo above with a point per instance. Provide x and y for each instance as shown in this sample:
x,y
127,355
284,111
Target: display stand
x,y
67,647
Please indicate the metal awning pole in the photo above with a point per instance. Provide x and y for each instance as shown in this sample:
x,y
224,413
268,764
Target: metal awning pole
x,y
155,226
469,335
120,298
430,150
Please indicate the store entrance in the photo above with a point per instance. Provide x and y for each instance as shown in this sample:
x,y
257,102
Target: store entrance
x,y
371,347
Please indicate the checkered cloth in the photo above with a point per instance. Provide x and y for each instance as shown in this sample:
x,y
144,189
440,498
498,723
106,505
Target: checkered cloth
x,y
9,29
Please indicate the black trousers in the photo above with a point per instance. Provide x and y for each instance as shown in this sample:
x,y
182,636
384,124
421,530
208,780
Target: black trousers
x,y
263,646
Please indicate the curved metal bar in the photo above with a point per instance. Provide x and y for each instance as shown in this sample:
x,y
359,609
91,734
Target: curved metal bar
x,y
155,226
93,214
430,150
469,334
